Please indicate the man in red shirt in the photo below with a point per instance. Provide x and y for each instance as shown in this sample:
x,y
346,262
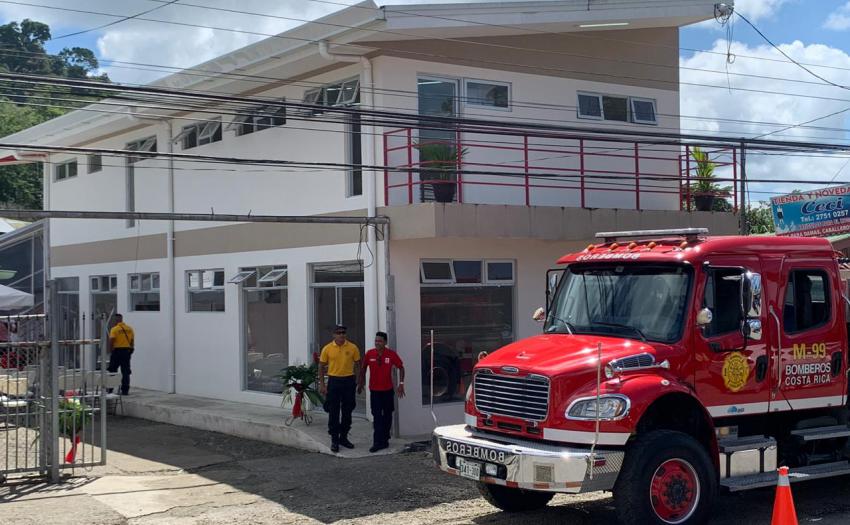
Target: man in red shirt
x,y
380,362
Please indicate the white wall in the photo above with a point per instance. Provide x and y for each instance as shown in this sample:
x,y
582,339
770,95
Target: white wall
x,y
543,100
210,344
532,259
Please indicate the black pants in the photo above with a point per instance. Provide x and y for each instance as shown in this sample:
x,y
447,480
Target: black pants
x,y
383,403
340,403
120,357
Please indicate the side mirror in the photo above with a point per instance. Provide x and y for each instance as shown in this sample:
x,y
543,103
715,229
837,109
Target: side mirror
x,y
539,315
704,317
751,294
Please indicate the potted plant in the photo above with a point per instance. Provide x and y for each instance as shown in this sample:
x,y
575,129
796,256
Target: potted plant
x,y
439,161
705,190
300,379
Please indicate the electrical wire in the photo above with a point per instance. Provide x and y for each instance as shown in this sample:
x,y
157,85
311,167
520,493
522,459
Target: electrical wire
x,y
115,22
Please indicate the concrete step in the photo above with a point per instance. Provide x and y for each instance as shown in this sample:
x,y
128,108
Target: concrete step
x,y
769,479
745,443
814,434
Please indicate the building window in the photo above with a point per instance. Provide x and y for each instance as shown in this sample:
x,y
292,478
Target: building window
x,y
259,118
339,94
104,283
144,149
469,304
354,156
205,290
643,111
65,170
144,292
488,94
616,108
807,302
265,326
95,163
200,134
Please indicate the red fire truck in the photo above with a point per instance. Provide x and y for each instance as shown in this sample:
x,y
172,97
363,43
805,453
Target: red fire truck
x,y
671,365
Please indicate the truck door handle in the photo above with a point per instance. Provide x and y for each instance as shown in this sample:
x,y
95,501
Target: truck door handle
x,y
837,361
761,368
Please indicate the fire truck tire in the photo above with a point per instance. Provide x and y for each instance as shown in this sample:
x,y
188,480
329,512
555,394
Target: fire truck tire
x,y
514,500
667,479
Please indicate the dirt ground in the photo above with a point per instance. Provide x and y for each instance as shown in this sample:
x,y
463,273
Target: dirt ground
x,y
161,474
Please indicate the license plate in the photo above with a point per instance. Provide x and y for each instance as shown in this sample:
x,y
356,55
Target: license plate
x,y
469,469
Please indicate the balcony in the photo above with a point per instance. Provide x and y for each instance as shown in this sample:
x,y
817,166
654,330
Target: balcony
x,y
519,168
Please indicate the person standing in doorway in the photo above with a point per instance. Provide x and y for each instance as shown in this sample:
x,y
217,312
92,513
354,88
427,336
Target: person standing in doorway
x,y
339,361
121,341
380,362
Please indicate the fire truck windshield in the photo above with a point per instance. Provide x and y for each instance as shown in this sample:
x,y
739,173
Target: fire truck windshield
x,y
645,302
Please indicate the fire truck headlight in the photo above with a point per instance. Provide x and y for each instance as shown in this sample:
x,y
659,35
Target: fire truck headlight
x,y
606,408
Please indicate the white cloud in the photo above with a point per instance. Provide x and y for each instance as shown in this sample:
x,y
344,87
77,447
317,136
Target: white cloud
x,y
756,10
839,20
755,106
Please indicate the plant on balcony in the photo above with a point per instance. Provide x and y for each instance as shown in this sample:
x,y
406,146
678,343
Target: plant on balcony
x,y
705,191
439,163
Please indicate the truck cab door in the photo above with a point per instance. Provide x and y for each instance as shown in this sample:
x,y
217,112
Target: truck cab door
x,y
809,354
732,372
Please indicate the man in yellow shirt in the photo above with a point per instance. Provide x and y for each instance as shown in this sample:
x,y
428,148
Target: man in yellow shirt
x,y
339,361
121,341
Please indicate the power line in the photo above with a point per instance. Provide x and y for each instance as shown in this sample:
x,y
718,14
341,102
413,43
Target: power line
x,y
115,22
475,124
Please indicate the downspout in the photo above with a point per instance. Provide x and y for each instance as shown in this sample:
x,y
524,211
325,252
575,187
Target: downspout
x,y
172,318
369,187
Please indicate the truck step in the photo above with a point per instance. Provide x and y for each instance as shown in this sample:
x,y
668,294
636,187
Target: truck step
x,y
813,434
769,479
745,443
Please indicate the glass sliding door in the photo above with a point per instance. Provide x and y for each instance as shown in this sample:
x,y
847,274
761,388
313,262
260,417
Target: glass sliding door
x,y
438,97
265,318
338,299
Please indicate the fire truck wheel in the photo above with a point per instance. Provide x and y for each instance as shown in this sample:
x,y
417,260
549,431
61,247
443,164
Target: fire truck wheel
x,y
667,479
514,500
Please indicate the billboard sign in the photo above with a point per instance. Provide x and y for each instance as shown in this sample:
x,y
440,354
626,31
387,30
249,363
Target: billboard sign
x,y
818,213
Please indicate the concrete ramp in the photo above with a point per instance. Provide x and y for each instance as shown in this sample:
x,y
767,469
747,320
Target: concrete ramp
x,y
251,422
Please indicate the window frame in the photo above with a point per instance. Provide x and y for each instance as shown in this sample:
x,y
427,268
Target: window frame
x,y
64,167
201,289
140,290
467,101
633,113
426,281
248,121
630,112
497,282
711,274
827,297
94,167
485,281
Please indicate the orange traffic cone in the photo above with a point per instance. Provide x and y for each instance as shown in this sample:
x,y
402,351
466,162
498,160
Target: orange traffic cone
x,y
783,506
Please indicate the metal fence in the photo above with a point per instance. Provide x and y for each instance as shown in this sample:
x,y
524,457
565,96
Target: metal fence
x,y
54,394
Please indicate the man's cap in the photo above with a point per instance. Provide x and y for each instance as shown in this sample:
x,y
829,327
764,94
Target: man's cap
x,y
340,328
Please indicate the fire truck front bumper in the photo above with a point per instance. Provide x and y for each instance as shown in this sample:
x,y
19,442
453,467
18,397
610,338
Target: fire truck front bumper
x,y
524,464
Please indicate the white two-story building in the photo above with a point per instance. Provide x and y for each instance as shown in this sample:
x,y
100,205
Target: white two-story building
x,y
220,308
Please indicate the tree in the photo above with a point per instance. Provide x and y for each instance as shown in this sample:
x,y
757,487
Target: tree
x,y
25,105
760,218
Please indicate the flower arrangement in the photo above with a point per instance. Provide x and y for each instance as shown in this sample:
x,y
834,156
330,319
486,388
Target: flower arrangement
x,y
302,380
74,416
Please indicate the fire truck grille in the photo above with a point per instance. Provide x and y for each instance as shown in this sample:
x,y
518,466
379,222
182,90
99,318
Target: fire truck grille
x,y
520,397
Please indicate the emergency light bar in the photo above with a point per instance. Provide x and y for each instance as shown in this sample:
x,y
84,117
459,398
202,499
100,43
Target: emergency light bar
x,y
688,233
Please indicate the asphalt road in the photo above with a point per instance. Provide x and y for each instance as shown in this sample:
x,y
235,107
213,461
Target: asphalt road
x,y
161,474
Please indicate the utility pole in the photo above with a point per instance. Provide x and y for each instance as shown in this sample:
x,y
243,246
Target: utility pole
x,y
745,228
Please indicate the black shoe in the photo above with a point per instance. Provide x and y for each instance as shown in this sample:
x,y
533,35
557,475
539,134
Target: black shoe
x,y
374,448
346,443
334,447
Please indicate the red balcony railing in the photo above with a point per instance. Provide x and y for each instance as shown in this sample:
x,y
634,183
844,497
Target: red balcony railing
x,y
545,169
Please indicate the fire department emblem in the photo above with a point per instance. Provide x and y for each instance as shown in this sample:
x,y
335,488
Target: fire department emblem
x,y
736,371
